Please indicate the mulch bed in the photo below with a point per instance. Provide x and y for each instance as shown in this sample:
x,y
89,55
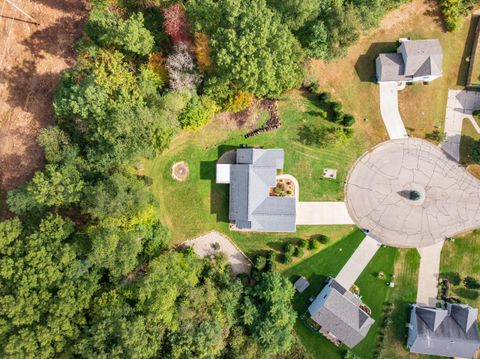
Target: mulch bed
x,y
273,122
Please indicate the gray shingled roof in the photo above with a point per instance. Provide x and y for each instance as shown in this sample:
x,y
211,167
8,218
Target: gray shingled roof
x,y
450,332
414,58
338,311
301,284
251,206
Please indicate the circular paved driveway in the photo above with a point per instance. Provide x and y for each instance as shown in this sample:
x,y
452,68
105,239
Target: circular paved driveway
x,y
446,200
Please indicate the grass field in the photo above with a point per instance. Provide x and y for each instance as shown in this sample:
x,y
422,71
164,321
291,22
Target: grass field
x,y
374,292
198,204
461,256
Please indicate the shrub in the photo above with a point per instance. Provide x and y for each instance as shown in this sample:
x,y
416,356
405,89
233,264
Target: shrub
x,y
336,107
199,111
289,248
436,135
313,87
322,136
453,277
271,256
302,243
271,265
471,283
324,97
298,252
348,120
240,101
313,244
348,132
287,258
476,152
260,262
476,114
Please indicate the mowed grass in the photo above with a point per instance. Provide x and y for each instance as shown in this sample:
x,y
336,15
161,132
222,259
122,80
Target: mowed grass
x,y
198,204
404,294
374,292
462,256
422,107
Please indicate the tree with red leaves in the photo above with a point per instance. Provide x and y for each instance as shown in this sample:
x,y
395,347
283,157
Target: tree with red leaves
x,y
176,25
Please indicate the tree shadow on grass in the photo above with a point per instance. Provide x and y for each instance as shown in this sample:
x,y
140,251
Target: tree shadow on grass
x,y
467,146
218,192
462,76
365,65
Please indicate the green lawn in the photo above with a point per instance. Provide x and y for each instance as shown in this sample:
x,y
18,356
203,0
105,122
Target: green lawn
x,y
374,292
462,256
404,294
198,204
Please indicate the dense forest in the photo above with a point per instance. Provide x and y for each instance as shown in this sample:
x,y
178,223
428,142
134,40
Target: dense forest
x,y
85,266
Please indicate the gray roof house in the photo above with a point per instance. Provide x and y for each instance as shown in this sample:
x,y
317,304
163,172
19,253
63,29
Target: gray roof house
x,y
339,313
450,332
415,60
251,177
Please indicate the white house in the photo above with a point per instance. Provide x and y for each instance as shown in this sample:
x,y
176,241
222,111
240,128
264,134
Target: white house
x,y
414,61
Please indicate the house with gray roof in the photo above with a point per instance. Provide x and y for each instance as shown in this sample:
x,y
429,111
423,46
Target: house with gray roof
x,y
414,61
450,332
251,178
339,313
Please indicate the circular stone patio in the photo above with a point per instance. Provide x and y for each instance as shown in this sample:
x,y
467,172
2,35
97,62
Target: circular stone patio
x,y
409,193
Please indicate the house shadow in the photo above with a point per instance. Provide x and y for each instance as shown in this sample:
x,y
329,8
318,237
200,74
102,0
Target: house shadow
x,y
365,65
219,193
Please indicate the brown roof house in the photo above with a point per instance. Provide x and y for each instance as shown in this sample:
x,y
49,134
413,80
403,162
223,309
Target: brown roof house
x,y
341,314
414,61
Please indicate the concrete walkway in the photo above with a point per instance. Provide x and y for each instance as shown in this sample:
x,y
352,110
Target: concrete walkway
x,y
389,110
322,213
428,274
357,262
460,105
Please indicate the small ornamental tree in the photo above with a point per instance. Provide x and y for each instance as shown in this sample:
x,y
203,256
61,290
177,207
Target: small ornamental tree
x,y
202,51
176,25
181,69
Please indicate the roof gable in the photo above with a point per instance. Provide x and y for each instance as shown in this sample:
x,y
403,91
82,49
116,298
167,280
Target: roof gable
x,y
432,317
464,316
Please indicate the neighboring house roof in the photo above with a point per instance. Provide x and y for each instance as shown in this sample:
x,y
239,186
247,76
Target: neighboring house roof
x,y
301,284
414,59
338,311
450,332
251,206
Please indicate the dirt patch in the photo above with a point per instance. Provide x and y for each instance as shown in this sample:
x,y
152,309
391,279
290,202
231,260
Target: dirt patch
x,y
31,60
180,171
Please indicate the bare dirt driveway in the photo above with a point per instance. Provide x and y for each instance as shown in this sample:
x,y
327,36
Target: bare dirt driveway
x,y
31,60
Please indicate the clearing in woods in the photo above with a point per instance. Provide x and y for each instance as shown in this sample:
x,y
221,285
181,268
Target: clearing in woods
x,y
31,60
